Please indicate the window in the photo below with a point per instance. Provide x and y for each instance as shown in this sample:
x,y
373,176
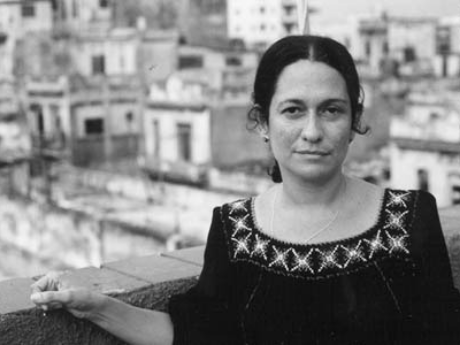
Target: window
x,y
184,136
156,139
233,61
409,54
94,126
262,27
443,39
103,3
367,49
385,48
288,9
98,64
28,9
38,112
74,9
289,27
190,61
423,184
456,195
435,116
262,9
129,117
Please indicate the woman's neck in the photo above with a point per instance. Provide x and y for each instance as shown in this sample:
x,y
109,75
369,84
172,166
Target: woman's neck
x,y
300,193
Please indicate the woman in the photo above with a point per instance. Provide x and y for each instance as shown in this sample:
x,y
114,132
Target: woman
x,y
320,258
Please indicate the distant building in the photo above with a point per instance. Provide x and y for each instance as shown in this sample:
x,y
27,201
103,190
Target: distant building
x,y
412,42
71,15
94,124
19,18
177,132
255,22
368,43
191,127
425,145
447,61
227,73
204,23
386,45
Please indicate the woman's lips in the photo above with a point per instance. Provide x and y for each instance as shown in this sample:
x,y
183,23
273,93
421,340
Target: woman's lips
x,y
312,152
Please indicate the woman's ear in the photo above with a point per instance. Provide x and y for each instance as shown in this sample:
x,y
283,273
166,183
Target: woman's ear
x,y
261,122
262,130
352,136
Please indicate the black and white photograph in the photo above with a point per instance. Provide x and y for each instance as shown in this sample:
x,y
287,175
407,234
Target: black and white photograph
x,y
229,172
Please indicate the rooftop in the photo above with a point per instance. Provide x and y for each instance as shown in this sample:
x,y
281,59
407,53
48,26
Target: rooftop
x,y
146,281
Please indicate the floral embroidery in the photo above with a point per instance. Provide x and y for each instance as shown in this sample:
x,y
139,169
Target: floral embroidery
x,y
240,224
260,247
395,220
237,206
241,245
398,243
398,198
375,245
280,258
354,254
388,238
302,262
329,259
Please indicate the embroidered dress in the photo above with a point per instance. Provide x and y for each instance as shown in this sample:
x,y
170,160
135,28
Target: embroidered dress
x,y
391,284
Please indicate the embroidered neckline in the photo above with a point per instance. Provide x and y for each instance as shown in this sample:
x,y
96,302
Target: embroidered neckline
x,y
258,228
388,237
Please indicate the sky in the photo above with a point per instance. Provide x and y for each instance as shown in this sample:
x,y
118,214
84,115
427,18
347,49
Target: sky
x,y
338,10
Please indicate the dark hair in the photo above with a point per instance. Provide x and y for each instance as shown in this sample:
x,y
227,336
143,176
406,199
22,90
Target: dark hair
x,y
291,49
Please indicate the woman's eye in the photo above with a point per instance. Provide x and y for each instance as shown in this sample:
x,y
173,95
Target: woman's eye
x,y
291,110
333,110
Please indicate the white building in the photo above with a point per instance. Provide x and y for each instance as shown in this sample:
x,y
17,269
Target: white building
x,y
177,132
18,19
81,14
110,53
259,22
447,61
425,146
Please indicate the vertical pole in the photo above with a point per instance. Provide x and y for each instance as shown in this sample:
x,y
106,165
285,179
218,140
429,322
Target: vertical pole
x,y
303,20
107,125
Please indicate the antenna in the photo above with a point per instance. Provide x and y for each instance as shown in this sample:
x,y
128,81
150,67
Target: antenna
x,y
303,21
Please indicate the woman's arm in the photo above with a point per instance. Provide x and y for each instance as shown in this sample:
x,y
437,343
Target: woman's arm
x,y
134,325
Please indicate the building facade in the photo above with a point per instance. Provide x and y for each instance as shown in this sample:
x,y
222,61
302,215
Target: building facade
x,y
425,146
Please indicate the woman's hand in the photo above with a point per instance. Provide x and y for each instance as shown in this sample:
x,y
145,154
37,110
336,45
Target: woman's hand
x,y
50,292
134,325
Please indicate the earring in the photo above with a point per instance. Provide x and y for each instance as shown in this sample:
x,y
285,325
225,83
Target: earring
x,y
266,138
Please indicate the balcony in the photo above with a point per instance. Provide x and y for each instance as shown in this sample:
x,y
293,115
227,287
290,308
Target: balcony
x,y
142,281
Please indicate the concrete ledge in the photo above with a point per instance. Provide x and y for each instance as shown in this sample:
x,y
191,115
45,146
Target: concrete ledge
x,y
146,282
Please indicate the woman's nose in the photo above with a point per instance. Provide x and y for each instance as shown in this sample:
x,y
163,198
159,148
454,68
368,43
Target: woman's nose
x,y
312,130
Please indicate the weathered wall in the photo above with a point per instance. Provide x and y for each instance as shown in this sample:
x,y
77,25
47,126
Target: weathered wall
x,y
60,238
146,282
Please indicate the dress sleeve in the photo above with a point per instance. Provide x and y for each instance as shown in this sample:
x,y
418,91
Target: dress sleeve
x,y
203,314
441,302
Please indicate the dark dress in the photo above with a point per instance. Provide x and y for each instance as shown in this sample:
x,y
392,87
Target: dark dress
x,y
391,284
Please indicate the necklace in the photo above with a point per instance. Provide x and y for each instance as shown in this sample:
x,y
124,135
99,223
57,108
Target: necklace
x,y
319,231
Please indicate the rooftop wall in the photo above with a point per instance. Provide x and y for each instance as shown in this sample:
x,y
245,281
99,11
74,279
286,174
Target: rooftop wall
x,y
143,281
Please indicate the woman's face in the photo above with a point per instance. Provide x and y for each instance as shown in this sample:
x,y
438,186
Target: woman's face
x,y
310,121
